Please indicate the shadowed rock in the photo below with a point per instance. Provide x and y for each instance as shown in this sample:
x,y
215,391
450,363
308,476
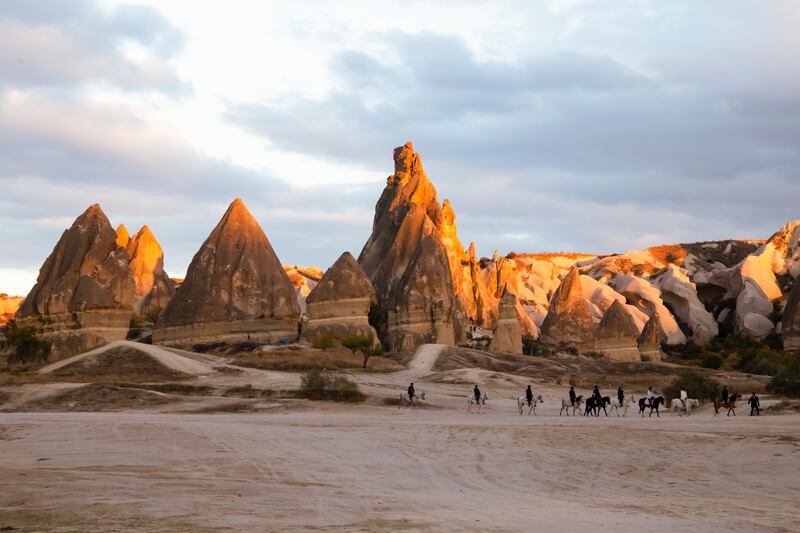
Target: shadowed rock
x,y
569,321
617,335
507,334
339,304
84,293
790,327
650,339
235,286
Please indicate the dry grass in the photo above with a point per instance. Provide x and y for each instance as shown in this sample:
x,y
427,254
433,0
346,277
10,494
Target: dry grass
x,y
248,391
181,389
300,360
97,397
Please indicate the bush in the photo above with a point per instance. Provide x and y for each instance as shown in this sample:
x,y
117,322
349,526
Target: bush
x,y
152,313
324,341
27,347
787,381
532,346
361,343
713,361
695,384
320,385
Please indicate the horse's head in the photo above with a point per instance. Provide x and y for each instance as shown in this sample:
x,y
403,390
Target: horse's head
x,y
421,395
485,397
539,398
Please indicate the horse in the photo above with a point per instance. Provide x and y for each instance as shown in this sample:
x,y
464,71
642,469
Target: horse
x,y
522,401
566,405
404,399
626,403
730,405
677,405
471,401
656,402
593,405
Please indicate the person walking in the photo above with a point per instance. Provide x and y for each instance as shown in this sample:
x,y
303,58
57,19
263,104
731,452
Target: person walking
x,y
754,405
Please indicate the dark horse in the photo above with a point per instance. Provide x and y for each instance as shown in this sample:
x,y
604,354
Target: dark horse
x,y
593,405
730,405
656,402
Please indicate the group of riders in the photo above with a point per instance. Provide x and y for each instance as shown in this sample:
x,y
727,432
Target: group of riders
x,y
753,401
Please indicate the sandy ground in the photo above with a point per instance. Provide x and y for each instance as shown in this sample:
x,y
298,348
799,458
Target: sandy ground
x,y
372,468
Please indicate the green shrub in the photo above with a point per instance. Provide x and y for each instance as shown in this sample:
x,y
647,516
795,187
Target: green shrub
x,y
320,385
324,340
26,346
361,343
787,381
532,346
152,313
713,361
695,384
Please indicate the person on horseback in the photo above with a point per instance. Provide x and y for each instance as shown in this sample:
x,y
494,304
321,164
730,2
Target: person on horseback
x,y
620,394
596,392
725,395
572,396
529,395
650,397
411,392
754,404
477,392
684,396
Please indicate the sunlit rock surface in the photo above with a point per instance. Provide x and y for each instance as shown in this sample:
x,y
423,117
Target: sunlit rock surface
x,y
569,321
507,334
154,288
304,279
8,307
235,287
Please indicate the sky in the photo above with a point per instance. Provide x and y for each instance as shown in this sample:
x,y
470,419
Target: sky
x,y
590,126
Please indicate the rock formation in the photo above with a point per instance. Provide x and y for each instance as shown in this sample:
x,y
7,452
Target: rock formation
x,y
84,294
617,335
8,307
154,289
422,311
650,339
790,326
569,321
678,291
123,237
235,286
647,298
304,279
507,334
408,223
339,304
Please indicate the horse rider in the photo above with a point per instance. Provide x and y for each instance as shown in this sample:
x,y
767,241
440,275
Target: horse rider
x,y
754,404
684,396
529,395
596,393
620,394
477,392
411,393
572,396
725,395
650,397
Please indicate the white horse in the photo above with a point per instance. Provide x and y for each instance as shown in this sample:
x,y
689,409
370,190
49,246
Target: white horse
x,y
677,405
471,401
626,403
566,405
404,399
522,401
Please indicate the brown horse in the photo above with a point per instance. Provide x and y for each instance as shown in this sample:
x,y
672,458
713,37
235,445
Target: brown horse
x,y
656,402
730,405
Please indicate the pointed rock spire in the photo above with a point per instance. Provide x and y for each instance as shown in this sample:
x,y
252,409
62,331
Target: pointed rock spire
x,y
616,336
153,286
122,236
343,280
568,321
234,278
507,334
650,339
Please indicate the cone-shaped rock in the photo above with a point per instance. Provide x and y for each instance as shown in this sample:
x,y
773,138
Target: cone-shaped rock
x,y
339,304
235,286
568,321
617,335
507,334
406,214
422,311
154,289
650,339
84,294
790,327
122,236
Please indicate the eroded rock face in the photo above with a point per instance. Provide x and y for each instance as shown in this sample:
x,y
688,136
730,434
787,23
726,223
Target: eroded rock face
x,y
423,308
84,294
122,236
647,298
680,293
408,221
617,335
8,307
569,321
650,339
340,302
304,279
235,286
507,334
790,325
154,289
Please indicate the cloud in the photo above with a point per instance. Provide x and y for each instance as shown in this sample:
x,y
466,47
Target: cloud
x,y
71,44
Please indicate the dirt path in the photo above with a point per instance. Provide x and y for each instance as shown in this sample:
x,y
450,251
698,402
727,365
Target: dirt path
x,y
166,357
425,357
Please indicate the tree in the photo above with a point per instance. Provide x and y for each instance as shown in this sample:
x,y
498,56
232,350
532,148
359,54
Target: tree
x,y
27,347
361,343
373,351
695,384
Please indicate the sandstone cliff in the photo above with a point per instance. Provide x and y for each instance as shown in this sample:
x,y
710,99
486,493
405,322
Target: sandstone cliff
x,y
617,335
